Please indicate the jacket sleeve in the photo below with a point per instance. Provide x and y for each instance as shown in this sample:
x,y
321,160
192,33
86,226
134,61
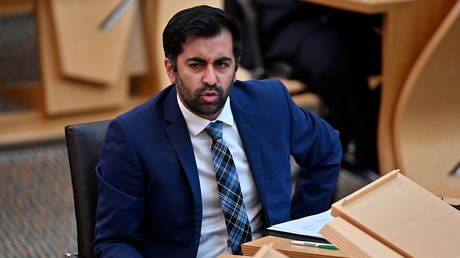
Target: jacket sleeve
x,y
120,207
316,148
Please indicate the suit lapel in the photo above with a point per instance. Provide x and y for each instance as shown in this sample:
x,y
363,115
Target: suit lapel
x,y
180,140
241,109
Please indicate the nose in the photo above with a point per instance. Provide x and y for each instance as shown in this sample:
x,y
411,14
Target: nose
x,y
209,76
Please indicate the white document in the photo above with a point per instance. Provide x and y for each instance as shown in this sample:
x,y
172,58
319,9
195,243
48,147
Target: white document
x,y
306,226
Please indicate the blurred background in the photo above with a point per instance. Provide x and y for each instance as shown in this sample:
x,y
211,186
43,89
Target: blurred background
x,y
364,67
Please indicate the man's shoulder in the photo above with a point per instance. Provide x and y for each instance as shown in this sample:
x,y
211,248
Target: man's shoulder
x,y
152,108
256,89
258,83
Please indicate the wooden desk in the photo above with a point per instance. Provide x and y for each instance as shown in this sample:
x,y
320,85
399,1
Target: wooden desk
x,y
407,26
449,195
284,246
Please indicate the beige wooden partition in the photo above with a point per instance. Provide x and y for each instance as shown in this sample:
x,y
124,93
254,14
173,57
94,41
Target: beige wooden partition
x,y
85,51
407,27
427,121
83,68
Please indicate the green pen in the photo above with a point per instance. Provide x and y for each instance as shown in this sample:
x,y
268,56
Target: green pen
x,y
314,244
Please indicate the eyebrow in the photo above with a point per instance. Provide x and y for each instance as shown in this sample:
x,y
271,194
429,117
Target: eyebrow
x,y
224,59
201,60
196,59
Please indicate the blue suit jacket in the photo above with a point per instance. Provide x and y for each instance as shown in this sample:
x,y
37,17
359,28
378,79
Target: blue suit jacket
x,y
149,192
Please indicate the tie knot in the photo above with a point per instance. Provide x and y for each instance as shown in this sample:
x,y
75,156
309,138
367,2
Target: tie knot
x,y
214,130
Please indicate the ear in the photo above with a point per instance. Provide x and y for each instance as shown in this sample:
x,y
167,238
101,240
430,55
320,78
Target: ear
x,y
170,70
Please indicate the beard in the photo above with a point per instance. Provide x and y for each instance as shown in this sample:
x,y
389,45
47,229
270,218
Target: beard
x,y
193,101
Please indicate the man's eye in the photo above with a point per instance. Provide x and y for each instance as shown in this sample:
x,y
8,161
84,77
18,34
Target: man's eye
x,y
195,65
223,64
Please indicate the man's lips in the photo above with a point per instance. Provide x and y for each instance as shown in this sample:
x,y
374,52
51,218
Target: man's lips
x,y
209,96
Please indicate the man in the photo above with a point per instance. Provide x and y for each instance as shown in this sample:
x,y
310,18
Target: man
x,y
174,171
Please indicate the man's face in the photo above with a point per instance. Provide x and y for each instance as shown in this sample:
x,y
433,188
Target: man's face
x,y
205,73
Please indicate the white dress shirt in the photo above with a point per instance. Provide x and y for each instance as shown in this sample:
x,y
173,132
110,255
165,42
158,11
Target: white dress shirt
x,y
214,236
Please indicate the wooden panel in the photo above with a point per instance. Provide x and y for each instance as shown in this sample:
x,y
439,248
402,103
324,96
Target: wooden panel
x,y
86,52
284,246
64,96
427,120
355,242
16,7
29,94
405,33
30,127
445,192
137,52
149,84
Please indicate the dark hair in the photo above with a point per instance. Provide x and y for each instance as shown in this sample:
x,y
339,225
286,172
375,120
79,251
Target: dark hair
x,y
198,21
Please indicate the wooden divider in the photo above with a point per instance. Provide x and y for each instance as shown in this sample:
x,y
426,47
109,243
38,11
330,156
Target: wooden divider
x,y
427,118
63,95
85,51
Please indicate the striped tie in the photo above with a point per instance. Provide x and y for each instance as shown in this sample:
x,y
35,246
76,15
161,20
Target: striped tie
x,y
236,218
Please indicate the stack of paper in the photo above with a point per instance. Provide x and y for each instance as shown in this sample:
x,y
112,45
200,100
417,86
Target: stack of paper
x,y
307,226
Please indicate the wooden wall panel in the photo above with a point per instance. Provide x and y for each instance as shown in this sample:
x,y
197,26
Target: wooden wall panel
x,y
427,123
85,51
63,95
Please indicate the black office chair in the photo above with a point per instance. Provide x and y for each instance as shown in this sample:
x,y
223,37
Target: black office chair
x,y
84,142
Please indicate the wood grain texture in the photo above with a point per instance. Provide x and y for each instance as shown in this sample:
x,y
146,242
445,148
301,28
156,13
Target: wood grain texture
x,y
16,7
284,246
32,126
405,32
355,242
66,96
427,123
85,51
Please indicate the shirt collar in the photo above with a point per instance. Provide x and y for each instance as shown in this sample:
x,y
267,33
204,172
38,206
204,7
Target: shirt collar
x,y
197,124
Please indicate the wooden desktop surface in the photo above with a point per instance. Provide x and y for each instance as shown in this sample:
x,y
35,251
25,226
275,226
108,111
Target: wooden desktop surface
x,y
407,27
284,246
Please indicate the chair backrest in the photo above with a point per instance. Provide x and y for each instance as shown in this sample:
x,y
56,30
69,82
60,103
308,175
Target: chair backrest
x,y
84,142
427,121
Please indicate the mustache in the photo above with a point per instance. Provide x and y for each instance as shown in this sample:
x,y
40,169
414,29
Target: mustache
x,y
213,87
